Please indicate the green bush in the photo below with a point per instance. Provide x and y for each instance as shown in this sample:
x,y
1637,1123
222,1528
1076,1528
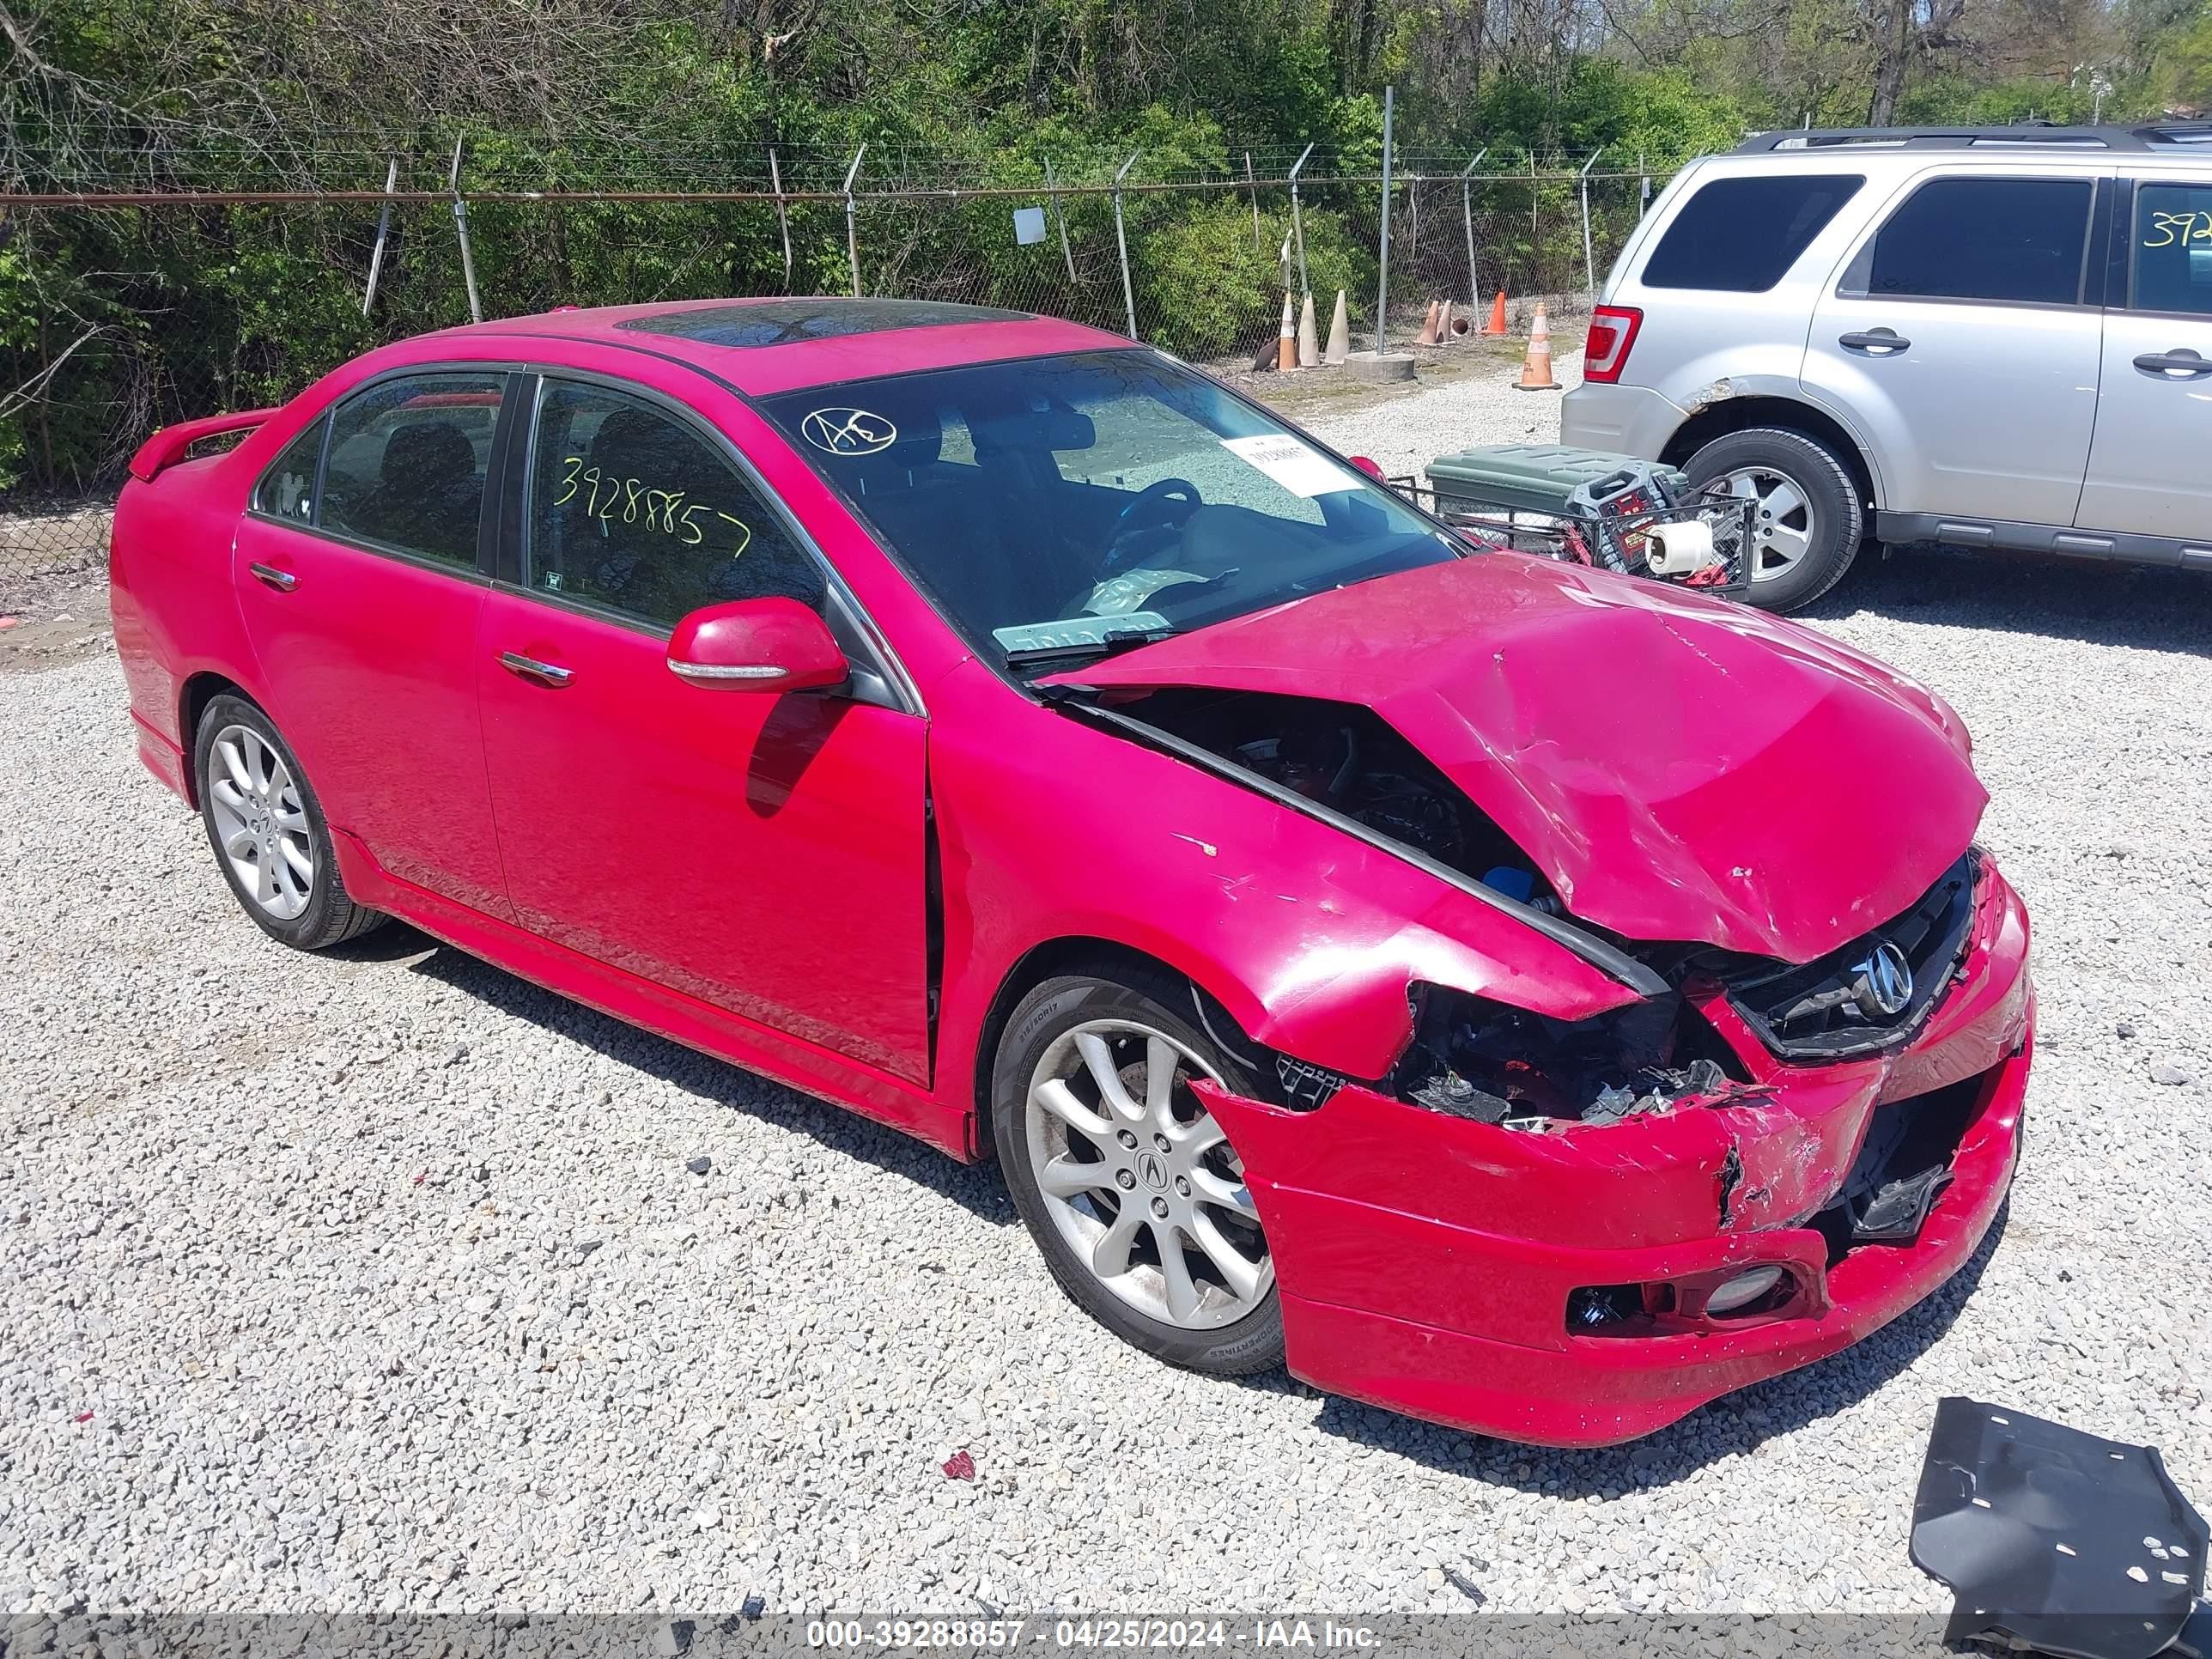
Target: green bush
x,y
1203,292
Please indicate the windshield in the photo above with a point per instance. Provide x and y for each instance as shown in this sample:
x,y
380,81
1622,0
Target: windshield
x,y
1061,506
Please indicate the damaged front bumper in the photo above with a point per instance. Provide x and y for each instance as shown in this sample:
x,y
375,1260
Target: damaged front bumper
x,y
1590,1285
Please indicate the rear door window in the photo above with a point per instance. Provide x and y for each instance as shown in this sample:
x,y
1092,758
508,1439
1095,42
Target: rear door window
x,y
1741,235
2171,258
2014,240
406,464
287,490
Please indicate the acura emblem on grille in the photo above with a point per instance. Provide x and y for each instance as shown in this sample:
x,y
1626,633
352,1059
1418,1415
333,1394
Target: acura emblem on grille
x,y
1884,981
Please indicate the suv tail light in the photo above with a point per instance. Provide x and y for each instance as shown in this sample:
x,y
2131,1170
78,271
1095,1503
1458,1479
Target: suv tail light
x,y
1612,332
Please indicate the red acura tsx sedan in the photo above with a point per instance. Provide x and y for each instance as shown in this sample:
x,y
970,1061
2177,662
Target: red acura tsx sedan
x,y
1533,998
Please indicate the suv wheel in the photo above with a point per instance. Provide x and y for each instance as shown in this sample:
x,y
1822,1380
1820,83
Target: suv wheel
x,y
1130,1189
1810,522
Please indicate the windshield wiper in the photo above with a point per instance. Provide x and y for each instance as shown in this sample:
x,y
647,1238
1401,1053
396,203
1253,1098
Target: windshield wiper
x,y
1112,644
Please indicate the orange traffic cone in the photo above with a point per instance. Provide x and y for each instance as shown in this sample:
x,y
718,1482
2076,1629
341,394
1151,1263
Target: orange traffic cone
x,y
1497,323
1428,334
1286,348
1444,322
1536,367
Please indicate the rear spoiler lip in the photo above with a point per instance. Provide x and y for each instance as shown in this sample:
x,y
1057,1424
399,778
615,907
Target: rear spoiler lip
x,y
168,446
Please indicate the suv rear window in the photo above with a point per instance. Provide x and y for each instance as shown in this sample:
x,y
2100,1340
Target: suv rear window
x,y
1741,235
2015,239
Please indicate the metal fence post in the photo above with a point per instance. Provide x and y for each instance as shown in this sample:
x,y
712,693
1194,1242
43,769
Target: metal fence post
x,y
1643,194
1254,184
461,228
852,221
1298,221
1121,242
1589,260
1052,188
782,213
1382,248
1466,215
383,231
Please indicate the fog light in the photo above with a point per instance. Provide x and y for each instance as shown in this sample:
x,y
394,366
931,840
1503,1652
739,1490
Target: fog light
x,y
1745,1288
1594,1307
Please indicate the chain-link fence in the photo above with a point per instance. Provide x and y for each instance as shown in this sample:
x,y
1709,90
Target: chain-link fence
x,y
122,313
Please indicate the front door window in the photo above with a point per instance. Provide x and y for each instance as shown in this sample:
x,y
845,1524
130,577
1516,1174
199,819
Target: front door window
x,y
633,512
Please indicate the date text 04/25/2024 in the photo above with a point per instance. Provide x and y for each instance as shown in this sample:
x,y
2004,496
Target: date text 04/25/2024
x,y
985,1634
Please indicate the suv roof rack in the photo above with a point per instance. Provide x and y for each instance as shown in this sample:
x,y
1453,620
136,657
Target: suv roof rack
x,y
2026,136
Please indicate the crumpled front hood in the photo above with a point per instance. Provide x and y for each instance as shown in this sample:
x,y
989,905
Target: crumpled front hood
x,y
1678,768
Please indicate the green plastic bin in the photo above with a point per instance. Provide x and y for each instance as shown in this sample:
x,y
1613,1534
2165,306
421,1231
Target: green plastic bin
x,y
1528,477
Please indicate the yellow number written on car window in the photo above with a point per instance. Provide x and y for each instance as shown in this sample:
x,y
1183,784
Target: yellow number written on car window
x,y
633,500
2172,229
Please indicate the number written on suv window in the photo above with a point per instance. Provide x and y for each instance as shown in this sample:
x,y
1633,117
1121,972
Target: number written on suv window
x,y
2174,249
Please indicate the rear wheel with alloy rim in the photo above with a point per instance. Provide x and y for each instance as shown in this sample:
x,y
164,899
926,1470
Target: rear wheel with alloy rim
x,y
1132,1190
1808,520
267,829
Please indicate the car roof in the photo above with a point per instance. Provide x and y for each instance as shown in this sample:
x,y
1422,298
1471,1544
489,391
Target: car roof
x,y
782,344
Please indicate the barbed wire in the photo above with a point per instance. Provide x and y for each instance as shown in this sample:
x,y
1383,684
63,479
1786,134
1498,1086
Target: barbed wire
x,y
800,185
341,163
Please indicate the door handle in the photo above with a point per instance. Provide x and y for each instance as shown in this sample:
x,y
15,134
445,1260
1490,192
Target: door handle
x,y
2184,363
270,576
1879,341
545,673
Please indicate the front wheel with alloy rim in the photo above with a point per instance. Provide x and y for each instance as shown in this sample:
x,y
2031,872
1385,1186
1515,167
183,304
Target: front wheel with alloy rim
x,y
1808,522
267,829
1132,1190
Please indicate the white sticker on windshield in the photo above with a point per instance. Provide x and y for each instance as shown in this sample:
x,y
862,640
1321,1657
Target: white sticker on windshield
x,y
1299,468
1076,632
849,431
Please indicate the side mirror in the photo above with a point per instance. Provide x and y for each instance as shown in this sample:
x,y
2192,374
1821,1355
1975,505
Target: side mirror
x,y
757,645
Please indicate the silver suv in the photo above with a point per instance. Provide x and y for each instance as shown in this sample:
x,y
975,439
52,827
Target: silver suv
x,y
1994,337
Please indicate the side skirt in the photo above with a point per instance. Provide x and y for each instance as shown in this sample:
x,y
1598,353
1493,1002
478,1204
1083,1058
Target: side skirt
x,y
638,1001
2122,547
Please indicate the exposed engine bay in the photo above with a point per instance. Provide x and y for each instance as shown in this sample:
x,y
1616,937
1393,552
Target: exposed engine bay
x,y
1498,1064
1470,1057
1351,761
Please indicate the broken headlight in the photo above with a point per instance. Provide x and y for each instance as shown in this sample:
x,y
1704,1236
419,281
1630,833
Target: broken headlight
x,y
1474,1058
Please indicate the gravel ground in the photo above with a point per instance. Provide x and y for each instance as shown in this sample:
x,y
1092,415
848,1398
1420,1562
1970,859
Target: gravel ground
x,y
380,1280
1404,435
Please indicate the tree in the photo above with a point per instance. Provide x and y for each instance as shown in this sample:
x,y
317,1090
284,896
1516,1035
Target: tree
x,y
1903,33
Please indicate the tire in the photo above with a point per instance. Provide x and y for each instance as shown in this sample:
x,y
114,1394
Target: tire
x,y
1819,505
274,816
1225,1322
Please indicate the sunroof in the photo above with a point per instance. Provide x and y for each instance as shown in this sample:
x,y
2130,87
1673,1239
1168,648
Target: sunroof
x,y
787,322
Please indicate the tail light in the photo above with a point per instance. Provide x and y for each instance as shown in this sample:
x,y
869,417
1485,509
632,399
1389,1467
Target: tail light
x,y
1612,332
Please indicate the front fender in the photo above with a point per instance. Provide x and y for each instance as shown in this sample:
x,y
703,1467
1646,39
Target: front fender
x,y
1050,828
